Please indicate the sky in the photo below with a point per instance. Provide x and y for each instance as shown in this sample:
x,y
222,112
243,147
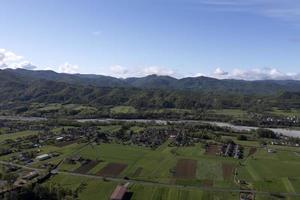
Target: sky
x,y
240,39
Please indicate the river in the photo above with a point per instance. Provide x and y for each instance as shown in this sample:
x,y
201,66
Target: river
x,y
287,132
283,131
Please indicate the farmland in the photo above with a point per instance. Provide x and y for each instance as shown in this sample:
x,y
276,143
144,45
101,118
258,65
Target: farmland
x,y
179,167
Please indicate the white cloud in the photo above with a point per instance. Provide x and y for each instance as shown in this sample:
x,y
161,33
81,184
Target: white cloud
x,y
68,68
196,75
158,71
9,59
125,72
257,74
118,71
220,72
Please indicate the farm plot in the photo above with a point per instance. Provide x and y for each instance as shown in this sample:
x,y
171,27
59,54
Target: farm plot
x,y
65,143
112,169
208,183
137,172
189,152
86,167
228,170
252,151
209,169
212,150
186,168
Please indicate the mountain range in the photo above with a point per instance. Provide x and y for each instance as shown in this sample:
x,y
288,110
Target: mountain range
x,y
156,82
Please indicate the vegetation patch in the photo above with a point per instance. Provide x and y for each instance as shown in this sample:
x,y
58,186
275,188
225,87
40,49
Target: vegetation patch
x,y
112,169
186,168
123,110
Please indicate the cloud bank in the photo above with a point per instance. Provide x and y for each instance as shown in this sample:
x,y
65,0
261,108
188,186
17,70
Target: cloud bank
x,y
124,72
255,74
68,68
9,59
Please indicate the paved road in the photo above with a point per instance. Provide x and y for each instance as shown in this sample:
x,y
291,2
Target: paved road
x,y
149,183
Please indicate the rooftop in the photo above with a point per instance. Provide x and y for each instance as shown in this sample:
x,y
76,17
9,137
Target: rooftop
x,y
118,193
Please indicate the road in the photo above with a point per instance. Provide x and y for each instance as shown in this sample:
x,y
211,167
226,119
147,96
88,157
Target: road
x,y
149,183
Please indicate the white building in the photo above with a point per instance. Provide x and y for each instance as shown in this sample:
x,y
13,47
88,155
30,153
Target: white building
x,y
43,157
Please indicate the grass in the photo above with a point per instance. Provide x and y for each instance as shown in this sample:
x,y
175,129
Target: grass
x,y
94,189
209,169
110,128
136,129
99,189
51,107
288,185
230,112
16,135
192,152
272,172
123,110
287,113
157,193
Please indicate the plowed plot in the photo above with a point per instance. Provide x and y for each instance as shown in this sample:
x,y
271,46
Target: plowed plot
x,y
208,183
212,150
227,170
186,168
83,169
112,169
252,151
138,171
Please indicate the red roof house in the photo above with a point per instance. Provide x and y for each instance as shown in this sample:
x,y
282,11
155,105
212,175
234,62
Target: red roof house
x,y
118,193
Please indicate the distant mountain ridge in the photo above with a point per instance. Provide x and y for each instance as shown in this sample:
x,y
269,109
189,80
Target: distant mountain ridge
x,y
160,82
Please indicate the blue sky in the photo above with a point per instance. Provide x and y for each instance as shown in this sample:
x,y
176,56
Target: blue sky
x,y
245,39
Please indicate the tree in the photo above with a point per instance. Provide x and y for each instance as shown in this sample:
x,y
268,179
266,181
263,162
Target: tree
x,y
242,137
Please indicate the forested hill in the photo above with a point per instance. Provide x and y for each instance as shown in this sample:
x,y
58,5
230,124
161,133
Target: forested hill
x,y
21,87
203,84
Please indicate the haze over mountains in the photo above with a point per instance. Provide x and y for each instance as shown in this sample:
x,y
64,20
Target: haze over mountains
x,y
153,82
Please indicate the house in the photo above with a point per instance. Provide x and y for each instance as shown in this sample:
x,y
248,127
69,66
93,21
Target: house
x,y
271,151
43,157
172,136
3,184
59,138
118,193
20,183
31,175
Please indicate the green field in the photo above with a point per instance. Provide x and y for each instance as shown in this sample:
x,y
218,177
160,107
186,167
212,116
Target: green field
x,y
99,189
123,110
287,113
16,135
230,112
277,172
